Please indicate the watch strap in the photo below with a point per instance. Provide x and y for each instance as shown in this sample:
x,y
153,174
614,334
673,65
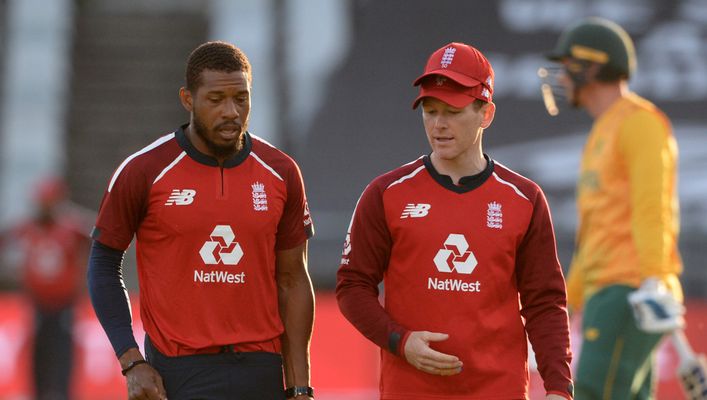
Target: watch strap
x,y
132,364
295,391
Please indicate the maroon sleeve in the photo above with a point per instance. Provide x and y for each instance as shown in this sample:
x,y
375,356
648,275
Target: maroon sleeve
x,y
363,263
544,300
122,208
296,225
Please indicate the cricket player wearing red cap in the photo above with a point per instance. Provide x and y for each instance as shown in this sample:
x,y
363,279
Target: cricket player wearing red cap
x,y
466,250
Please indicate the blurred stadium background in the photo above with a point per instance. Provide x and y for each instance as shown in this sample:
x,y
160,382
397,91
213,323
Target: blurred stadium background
x,y
85,83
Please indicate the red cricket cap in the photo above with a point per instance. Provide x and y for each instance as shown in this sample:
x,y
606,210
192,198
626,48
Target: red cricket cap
x,y
456,74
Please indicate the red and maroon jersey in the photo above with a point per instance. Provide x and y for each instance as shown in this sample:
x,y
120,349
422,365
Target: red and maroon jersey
x,y
476,261
52,259
206,240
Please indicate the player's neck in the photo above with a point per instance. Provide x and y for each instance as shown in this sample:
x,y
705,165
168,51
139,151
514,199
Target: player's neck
x,y
601,96
203,147
467,164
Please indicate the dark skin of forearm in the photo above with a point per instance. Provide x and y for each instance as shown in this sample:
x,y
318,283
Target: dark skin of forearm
x,y
296,302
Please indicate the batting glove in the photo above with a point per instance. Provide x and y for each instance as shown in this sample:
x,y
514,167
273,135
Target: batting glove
x,y
655,309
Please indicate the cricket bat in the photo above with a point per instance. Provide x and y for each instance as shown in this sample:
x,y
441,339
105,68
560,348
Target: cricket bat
x,y
692,370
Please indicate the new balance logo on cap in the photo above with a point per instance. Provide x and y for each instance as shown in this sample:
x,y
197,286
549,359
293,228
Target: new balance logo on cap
x,y
415,210
181,197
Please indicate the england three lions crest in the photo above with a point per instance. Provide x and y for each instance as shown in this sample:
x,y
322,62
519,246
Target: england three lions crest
x,y
494,216
260,198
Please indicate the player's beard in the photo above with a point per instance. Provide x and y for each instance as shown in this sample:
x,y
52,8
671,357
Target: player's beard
x,y
218,151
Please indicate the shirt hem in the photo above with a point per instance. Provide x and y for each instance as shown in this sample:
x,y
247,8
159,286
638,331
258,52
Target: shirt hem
x,y
420,396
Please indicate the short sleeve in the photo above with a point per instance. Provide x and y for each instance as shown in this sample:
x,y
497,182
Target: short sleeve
x,y
122,208
296,224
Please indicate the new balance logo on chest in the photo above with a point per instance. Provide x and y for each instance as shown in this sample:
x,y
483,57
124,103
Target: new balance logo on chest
x,y
181,197
415,210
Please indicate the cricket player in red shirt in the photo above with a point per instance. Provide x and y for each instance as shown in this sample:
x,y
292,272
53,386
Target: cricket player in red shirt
x,y
222,224
51,249
466,250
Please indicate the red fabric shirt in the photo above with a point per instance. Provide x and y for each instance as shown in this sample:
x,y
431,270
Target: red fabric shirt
x,y
472,261
206,240
52,255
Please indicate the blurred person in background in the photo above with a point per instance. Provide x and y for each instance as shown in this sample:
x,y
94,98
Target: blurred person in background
x,y
624,273
222,224
466,250
50,256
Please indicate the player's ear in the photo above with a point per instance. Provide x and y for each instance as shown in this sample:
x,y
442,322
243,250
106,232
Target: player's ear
x,y
186,99
489,110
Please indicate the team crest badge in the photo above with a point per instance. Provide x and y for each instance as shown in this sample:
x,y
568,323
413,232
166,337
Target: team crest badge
x,y
494,215
447,57
260,198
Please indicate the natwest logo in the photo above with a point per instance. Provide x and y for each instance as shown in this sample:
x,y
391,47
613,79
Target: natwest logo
x,y
222,248
455,256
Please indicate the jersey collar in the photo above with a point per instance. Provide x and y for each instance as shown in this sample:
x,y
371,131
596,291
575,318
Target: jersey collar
x,y
466,183
202,158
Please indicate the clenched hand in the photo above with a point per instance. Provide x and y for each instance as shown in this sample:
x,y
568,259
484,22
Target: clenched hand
x,y
145,383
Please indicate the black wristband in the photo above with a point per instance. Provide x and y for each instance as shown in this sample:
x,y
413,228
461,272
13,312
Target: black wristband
x,y
394,342
295,391
132,365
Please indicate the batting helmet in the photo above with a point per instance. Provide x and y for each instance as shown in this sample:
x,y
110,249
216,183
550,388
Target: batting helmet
x,y
600,41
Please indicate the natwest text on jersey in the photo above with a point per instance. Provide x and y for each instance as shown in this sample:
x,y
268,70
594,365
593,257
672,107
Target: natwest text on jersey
x,y
453,285
218,277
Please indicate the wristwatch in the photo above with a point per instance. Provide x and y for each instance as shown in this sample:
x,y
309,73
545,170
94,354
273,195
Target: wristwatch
x,y
294,391
131,365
